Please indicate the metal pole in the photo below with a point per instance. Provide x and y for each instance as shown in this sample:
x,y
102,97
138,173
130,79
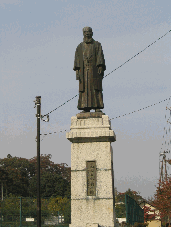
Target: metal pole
x,y
20,211
113,192
38,102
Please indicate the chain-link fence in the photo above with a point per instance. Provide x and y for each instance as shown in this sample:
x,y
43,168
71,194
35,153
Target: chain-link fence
x,y
22,211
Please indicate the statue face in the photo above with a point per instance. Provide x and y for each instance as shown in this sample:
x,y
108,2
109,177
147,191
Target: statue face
x,y
88,34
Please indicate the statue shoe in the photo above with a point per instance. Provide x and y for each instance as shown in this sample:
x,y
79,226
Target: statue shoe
x,y
85,111
98,110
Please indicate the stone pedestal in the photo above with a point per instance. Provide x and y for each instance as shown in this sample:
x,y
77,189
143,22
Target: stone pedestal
x,y
92,180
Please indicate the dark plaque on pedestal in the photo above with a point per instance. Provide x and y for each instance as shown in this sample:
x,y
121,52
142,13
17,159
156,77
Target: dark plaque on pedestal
x,y
91,178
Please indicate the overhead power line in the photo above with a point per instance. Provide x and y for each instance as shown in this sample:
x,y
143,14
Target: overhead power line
x,y
113,70
59,106
139,53
140,109
118,116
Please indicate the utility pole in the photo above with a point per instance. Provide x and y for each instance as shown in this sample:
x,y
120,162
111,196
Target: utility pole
x,y
163,160
38,115
161,173
165,168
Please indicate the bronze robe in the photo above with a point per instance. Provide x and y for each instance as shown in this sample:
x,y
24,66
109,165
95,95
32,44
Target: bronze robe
x,y
88,57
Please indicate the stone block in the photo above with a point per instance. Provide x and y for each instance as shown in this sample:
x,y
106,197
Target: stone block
x,y
92,225
91,137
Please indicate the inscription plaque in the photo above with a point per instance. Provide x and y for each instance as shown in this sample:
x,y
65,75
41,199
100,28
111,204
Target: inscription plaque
x,y
91,178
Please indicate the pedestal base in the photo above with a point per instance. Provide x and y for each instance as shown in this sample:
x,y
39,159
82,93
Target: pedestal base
x,y
87,225
92,187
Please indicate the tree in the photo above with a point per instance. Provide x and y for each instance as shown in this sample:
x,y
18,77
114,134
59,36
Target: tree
x,y
133,194
15,171
120,197
116,194
54,178
21,177
147,216
10,208
120,210
163,199
10,205
61,205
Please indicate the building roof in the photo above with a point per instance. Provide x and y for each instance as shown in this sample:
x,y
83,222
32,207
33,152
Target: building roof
x,y
146,202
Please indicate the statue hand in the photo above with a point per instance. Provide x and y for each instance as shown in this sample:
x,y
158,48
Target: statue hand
x,y
100,69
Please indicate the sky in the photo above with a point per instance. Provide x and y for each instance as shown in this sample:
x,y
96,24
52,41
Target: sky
x,y
38,40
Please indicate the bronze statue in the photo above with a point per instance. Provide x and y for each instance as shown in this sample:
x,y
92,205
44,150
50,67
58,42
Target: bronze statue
x,y
89,65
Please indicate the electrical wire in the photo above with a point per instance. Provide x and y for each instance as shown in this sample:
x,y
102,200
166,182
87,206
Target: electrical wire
x,y
118,116
113,70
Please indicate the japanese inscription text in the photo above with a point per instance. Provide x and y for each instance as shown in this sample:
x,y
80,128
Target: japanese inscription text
x,y
91,178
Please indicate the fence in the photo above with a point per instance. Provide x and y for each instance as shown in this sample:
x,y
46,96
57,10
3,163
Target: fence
x,y
134,213
22,211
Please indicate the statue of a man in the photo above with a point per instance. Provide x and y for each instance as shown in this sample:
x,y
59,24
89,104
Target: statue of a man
x,y
89,65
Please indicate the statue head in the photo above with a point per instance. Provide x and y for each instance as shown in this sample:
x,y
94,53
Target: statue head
x,y
87,32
